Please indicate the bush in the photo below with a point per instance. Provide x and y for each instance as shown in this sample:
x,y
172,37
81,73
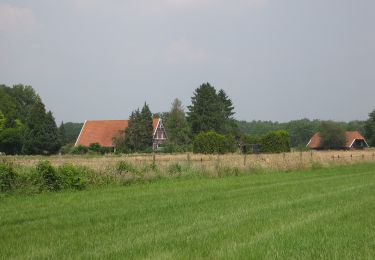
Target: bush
x,y
72,177
148,150
213,143
67,149
11,140
276,142
51,180
7,177
64,177
121,149
98,149
95,147
80,149
105,150
230,144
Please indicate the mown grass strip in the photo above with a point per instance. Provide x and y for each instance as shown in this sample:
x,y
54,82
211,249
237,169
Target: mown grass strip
x,y
325,213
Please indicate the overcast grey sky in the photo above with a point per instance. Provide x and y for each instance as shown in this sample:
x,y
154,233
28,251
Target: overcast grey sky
x,y
276,59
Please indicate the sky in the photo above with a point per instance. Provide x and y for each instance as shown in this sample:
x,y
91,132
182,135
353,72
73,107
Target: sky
x,y
277,60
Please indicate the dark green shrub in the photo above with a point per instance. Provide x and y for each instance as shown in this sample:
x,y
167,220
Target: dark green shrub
x,y
7,177
66,149
276,142
11,140
80,149
122,149
148,150
72,177
97,148
105,150
230,144
213,143
51,180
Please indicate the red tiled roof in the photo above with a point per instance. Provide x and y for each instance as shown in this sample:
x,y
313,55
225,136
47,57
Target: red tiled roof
x,y
155,123
314,142
351,136
103,131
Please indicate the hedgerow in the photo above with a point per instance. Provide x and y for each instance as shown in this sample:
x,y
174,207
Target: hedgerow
x,y
7,177
213,143
275,142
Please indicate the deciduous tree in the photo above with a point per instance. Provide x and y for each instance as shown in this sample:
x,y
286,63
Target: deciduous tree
x,y
176,125
370,129
3,121
332,135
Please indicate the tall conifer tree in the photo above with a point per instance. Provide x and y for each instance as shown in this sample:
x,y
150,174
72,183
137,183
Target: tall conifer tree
x,y
210,111
62,134
41,136
138,134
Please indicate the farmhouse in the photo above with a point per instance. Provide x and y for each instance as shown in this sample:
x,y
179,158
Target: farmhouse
x,y
104,131
354,140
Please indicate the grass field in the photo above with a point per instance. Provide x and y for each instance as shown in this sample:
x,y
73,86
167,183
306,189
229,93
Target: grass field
x,y
323,213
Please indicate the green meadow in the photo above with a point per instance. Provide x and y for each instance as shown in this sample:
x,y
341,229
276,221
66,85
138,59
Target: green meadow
x,y
326,213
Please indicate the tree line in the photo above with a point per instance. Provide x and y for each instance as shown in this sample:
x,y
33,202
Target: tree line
x,y
211,110
300,131
25,125
27,128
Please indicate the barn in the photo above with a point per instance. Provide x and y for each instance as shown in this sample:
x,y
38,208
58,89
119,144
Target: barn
x,y
103,132
354,140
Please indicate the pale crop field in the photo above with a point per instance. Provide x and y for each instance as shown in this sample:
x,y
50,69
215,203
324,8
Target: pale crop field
x,y
283,161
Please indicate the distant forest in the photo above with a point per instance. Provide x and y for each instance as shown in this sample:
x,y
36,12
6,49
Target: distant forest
x,y
300,131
